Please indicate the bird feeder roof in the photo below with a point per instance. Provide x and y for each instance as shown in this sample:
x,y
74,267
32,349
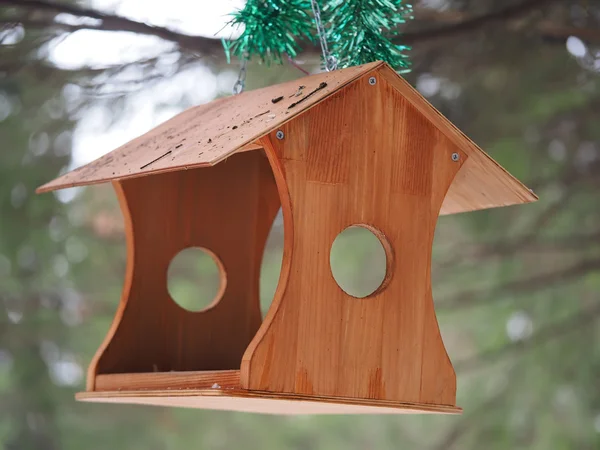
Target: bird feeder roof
x,y
207,134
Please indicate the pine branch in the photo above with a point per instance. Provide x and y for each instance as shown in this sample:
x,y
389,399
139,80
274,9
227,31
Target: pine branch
x,y
548,333
470,417
476,297
112,22
472,24
211,46
534,244
37,24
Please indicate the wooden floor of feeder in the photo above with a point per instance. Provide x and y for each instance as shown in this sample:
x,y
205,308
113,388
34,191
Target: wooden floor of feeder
x,y
220,390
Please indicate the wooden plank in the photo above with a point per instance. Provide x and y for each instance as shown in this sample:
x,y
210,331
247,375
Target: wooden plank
x,y
317,340
262,402
168,380
482,183
228,209
207,134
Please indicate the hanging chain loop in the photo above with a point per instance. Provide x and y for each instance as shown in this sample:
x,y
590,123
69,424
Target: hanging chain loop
x,y
239,85
330,60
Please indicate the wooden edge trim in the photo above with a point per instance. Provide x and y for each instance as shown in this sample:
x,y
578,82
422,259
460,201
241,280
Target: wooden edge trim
x,y
47,187
288,239
225,379
93,367
437,208
158,397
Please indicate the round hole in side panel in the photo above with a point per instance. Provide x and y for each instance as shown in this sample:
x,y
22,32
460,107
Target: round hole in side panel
x,y
359,260
196,279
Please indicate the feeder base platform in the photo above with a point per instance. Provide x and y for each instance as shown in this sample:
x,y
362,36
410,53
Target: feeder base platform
x,y
195,390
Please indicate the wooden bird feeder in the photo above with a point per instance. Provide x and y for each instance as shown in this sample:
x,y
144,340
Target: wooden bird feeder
x,y
357,146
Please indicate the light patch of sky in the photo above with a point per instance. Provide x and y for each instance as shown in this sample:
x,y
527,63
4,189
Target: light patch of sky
x,y
576,47
101,48
94,135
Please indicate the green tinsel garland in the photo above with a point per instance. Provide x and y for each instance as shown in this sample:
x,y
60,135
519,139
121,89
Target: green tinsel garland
x,y
271,28
361,31
358,31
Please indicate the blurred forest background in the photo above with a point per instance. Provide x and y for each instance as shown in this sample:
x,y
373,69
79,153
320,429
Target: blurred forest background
x,y
517,289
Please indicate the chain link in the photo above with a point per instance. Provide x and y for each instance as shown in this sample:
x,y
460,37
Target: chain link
x,y
330,60
239,85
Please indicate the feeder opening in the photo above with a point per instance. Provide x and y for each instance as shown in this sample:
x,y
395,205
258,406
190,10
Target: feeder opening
x,y
359,261
196,279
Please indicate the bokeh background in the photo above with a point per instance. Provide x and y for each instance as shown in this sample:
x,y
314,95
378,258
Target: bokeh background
x,y
517,289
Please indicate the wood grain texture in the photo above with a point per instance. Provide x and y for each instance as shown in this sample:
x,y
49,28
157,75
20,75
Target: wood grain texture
x,y
262,402
206,134
226,379
482,183
228,209
316,340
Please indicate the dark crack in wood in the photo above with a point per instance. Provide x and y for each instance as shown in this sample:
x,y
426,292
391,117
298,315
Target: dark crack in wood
x,y
154,160
262,113
323,85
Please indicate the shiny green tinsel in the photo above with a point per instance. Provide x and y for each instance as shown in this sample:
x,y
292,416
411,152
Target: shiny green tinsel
x,y
271,28
358,31
362,31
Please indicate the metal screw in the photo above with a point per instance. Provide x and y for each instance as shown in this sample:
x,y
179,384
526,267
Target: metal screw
x,y
280,134
455,157
372,81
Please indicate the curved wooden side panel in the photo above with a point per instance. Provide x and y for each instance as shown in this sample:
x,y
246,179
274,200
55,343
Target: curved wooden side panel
x,y
288,236
227,209
363,156
93,367
438,379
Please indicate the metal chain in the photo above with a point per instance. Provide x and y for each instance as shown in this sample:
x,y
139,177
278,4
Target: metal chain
x,y
330,60
239,85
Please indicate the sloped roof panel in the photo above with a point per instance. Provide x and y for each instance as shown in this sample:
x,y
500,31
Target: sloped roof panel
x,y
206,134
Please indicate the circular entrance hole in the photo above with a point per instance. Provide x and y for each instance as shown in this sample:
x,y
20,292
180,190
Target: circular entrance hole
x,y
196,279
359,260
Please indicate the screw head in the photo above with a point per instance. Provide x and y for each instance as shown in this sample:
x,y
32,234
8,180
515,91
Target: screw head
x,y
455,157
372,81
279,134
